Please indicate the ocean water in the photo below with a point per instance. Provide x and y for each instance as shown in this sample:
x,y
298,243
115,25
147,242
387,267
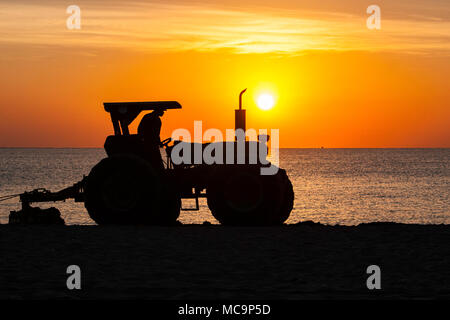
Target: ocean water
x,y
332,186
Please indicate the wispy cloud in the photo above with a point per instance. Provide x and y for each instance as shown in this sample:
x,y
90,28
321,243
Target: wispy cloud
x,y
178,27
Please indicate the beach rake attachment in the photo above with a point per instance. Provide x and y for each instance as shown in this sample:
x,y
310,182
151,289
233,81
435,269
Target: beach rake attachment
x,y
33,215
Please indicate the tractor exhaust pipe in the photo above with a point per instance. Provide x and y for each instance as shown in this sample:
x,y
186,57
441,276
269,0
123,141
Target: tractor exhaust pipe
x,y
239,114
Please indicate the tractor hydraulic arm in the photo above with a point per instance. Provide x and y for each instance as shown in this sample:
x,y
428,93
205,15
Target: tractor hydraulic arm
x,y
75,192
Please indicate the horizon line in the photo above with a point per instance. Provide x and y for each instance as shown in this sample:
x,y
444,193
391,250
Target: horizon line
x,y
22,147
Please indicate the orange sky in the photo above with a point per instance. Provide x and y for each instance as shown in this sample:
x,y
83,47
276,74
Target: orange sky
x,y
336,83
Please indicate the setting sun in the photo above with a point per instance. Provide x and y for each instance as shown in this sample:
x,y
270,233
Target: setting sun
x,y
265,102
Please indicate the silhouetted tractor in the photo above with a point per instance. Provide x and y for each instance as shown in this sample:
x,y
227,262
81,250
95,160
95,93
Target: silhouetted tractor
x,y
128,188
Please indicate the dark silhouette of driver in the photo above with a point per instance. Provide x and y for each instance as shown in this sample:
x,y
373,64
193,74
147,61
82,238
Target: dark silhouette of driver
x,y
149,130
150,127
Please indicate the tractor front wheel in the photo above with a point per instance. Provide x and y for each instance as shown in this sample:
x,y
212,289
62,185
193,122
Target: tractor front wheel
x,y
242,196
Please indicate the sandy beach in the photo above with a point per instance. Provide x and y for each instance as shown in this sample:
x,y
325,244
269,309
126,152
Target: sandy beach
x,y
303,261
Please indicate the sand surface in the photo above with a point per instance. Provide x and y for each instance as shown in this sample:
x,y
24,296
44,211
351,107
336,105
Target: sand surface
x,y
305,261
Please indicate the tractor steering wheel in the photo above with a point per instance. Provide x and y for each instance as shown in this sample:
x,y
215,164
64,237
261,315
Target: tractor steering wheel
x,y
165,142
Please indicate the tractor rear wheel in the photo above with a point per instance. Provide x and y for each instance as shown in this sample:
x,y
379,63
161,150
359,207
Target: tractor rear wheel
x,y
125,189
242,196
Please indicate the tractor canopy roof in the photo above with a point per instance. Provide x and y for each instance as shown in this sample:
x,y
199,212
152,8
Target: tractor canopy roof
x,y
125,112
